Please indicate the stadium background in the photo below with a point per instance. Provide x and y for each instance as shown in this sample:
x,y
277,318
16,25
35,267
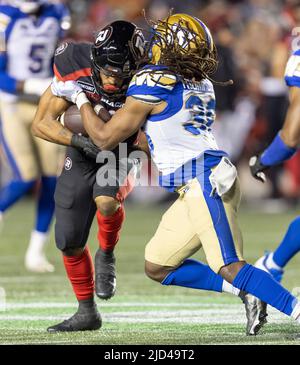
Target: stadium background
x,y
254,41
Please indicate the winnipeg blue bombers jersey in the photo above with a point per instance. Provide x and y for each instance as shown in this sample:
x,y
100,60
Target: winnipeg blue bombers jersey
x,y
292,70
27,43
181,133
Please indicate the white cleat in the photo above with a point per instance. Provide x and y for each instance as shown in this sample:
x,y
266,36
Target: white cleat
x,y
38,264
261,263
35,258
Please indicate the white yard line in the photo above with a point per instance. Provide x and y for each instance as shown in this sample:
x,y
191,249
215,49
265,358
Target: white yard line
x,y
42,305
208,316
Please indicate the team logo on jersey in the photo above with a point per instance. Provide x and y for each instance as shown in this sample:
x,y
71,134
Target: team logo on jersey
x,y
103,36
68,163
60,49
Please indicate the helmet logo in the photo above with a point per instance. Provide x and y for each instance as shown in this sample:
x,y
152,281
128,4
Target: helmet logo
x,y
183,38
103,36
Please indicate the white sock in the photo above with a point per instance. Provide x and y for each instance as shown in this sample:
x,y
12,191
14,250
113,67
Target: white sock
x,y
37,243
271,264
296,312
229,288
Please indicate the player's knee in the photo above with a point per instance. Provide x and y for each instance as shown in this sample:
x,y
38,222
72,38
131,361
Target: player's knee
x,y
73,251
229,272
107,205
155,272
68,237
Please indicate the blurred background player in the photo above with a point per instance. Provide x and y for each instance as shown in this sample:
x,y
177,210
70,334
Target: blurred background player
x,y
30,31
104,70
282,148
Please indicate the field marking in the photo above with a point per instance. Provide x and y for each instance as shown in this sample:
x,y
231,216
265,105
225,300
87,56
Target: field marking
x,y
42,305
230,315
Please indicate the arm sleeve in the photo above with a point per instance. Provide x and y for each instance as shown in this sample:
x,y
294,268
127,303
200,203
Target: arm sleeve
x,y
277,152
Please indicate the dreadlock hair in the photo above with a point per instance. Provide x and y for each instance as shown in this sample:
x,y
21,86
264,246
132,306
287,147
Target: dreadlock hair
x,y
187,56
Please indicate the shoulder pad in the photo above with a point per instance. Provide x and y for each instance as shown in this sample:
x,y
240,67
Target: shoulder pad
x,y
4,20
61,49
292,70
72,60
155,78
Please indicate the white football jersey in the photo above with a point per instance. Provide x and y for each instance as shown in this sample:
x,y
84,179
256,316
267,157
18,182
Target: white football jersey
x,y
31,46
182,131
27,43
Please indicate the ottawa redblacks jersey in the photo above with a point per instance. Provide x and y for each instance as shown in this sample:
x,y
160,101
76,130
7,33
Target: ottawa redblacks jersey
x,y
72,62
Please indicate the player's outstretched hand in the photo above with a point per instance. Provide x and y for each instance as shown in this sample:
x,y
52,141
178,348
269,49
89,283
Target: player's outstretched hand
x,y
86,145
257,168
68,89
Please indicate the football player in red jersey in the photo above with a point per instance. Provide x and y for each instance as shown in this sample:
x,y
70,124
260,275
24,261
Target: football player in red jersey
x,y
103,70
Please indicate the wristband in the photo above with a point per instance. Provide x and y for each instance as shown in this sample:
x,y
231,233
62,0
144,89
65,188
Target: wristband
x,y
81,99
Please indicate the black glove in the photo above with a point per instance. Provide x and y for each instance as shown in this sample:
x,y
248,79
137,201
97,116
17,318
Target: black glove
x,y
257,168
86,145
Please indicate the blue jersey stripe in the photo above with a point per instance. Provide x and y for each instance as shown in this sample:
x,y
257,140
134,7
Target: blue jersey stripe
x,y
191,169
9,156
220,221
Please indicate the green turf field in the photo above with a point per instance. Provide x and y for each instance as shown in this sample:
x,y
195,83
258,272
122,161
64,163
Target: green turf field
x,y
142,311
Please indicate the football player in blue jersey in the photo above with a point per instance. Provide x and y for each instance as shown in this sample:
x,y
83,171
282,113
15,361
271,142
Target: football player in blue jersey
x,y
29,33
282,148
173,97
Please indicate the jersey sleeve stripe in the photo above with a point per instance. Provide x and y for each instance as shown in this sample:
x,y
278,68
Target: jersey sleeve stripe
x,y
74,75
57,74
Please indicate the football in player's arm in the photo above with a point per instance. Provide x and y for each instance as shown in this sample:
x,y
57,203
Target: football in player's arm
x,y
46,125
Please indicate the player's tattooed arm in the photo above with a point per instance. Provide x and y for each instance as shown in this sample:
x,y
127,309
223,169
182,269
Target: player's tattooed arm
x,y
123,124
45,124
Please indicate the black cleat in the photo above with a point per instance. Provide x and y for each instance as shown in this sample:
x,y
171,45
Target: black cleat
x,y
256,313
89,321
105,275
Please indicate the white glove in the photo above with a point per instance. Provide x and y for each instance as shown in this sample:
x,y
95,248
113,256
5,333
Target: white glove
x,y
36,86
69,90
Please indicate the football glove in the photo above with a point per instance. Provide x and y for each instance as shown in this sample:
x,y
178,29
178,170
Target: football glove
x,y
68,89
257,168
86,145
